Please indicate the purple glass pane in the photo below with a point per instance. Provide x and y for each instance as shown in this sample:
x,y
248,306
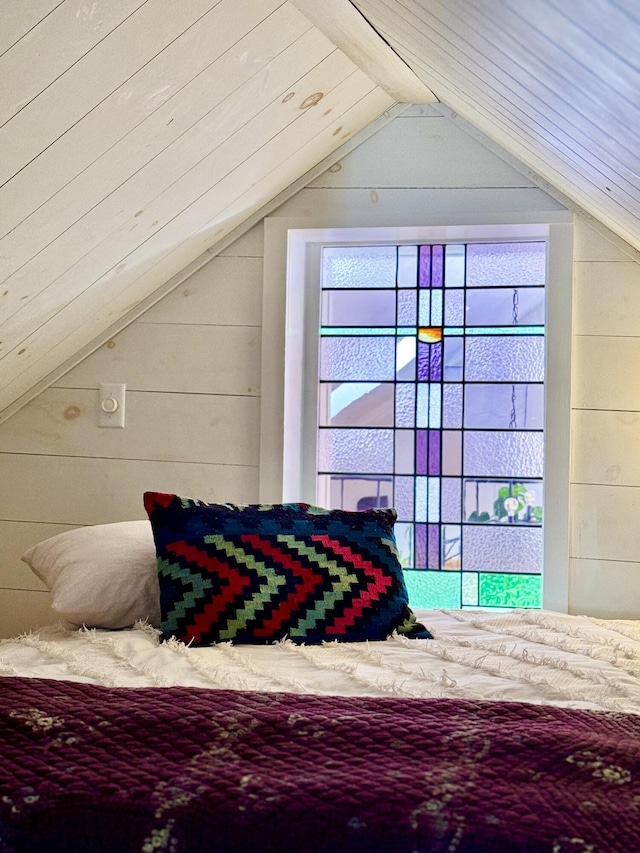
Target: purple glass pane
x,y
423,362
425,266
434,546
421,546
434,452
437,266
421,451
436,362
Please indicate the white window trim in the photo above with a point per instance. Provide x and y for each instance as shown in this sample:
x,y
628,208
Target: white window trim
x,y
292,255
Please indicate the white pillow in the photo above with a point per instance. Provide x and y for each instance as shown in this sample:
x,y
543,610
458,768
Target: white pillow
x,y
103,576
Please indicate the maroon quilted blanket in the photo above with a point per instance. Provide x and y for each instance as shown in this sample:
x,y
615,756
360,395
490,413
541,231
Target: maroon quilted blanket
x,y
89,768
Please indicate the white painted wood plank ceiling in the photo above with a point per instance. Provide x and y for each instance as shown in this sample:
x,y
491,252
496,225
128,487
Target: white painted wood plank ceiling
x,y
554,82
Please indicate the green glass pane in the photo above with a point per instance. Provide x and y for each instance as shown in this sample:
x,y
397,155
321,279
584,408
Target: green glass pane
x,y
494,330
374,331
503,590
433,590
470,589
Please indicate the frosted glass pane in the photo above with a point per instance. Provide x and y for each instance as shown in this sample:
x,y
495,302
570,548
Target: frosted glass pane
x,y
454,266
453,358
433,590
451,504
407,266
454,308
405,404
421,499
452,406
359,308
407,308
404,541
405,441
502,590
503,454
356,404
495,307
357,358
499,264
451,452
470,589
484,500
358,451
404,497
436,308
496,358
422,409
424,312
433,499
435,406
503,548
493,406
359,266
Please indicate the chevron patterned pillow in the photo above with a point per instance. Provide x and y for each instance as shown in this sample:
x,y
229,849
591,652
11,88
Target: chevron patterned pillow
x,y
258,573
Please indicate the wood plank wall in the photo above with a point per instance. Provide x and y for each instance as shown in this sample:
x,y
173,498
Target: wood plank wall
x,y
192,369
605,490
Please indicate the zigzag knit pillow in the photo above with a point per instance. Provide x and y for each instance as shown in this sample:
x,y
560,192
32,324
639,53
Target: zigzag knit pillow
x,y
258,573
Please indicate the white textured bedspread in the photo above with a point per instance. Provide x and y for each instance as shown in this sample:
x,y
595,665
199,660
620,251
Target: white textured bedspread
x,y
525,655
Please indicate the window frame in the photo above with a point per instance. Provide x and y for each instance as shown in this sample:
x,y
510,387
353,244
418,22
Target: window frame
x,y
292,249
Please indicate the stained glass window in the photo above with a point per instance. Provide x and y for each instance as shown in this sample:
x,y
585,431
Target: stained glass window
x,y
431,399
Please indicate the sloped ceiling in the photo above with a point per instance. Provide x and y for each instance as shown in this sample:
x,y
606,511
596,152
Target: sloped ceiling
x,y
136,135
554,82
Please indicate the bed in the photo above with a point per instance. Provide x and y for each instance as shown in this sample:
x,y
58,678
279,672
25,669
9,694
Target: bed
x,y
472,732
